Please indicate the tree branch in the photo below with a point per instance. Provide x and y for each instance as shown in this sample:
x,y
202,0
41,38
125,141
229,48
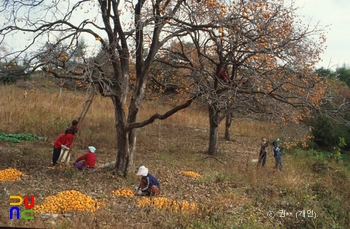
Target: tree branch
x,y
162,116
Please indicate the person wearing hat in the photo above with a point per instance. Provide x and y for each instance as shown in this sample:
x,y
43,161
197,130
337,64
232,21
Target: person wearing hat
x,y
89,159
149,185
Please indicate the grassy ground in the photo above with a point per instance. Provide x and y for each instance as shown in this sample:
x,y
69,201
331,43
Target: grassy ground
x,y
232,192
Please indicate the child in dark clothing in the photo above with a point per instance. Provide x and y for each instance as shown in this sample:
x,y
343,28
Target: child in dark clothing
x,y
263,154
70,132
73,129
149,185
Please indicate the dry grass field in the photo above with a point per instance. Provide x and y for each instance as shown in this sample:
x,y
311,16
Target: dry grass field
x,y
231,192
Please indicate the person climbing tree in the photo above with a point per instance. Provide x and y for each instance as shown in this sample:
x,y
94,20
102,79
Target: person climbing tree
x,y
223,74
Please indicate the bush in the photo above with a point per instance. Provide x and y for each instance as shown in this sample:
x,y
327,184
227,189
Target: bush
x,y
15,138
327,132
10,73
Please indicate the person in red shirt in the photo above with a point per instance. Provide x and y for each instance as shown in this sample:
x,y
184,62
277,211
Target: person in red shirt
x,y
89,159
57,145
223,74
64,141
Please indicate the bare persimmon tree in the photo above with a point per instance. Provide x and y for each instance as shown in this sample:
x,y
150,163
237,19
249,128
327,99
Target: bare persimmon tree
x,y
255,58
129,33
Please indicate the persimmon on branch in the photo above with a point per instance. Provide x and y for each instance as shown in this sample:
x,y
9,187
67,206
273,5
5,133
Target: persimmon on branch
x,y
258,47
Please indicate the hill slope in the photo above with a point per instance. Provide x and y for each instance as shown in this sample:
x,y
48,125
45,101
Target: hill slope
x,y
231,192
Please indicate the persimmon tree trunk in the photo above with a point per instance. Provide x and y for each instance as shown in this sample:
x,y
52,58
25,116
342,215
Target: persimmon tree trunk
x,y
123,151
214,121
228,121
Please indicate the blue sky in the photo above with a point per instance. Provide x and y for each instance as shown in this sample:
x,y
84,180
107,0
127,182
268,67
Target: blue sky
x,y
334,13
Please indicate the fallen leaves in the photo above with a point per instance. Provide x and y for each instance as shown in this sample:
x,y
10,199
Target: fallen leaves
x,y
61,166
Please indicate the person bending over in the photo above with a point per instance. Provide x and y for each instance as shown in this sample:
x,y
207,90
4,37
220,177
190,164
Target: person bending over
x,y
149,185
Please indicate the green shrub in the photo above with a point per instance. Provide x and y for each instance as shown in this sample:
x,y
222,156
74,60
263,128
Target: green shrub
x,y
11,72
327,132
17,137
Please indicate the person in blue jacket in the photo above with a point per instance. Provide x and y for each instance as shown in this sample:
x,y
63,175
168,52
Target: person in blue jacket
x,y
277,154
149,185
